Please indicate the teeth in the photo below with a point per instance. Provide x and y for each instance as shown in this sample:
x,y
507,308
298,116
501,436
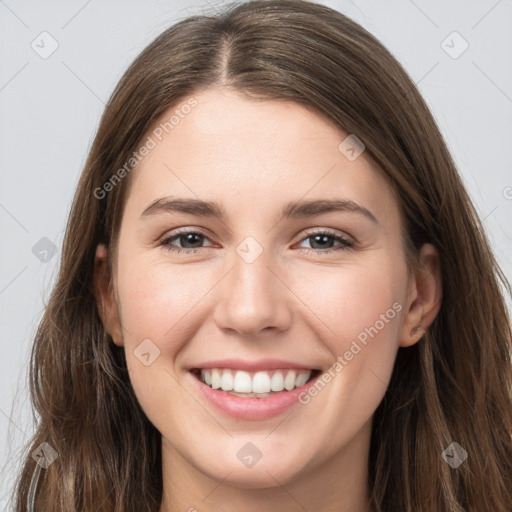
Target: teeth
x,y
215,378
277,382
300,380
243,382
289,381
226,382
261,383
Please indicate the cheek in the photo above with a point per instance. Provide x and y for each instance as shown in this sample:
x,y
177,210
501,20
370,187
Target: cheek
x,y
156,298
157,317
348,300
359,313
362,309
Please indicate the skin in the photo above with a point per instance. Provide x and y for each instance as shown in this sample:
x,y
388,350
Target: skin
x,y
290,303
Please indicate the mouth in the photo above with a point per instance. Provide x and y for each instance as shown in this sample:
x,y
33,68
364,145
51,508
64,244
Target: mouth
x,y
259,384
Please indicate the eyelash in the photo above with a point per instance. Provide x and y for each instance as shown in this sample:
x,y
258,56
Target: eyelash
x,y
346,244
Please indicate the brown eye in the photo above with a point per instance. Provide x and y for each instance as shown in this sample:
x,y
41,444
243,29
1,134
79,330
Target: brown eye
x,y
322,242
189,241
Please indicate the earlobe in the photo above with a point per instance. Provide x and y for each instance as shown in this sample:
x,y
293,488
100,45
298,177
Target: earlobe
x,y
424,298
104,294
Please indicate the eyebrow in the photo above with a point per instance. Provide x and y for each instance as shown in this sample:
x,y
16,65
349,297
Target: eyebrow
x,y
294,209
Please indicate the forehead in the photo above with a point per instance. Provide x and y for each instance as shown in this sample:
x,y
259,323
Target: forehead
x,y
251,154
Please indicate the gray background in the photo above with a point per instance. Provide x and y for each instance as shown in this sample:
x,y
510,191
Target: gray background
x,y
50,108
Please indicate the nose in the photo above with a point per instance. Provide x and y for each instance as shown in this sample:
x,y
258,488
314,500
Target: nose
x,y
254,298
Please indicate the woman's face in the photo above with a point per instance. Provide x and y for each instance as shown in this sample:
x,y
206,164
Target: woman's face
x,y
259,292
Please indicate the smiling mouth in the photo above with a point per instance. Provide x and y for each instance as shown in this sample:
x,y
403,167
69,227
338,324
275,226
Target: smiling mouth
x,y
260,384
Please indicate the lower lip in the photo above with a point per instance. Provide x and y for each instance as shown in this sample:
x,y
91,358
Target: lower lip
x,y
251,408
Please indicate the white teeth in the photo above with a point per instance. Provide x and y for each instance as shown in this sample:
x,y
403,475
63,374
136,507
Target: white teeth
x,y
215,378
261,382
243,382
254,384
277,382
226,382
300,380
289,381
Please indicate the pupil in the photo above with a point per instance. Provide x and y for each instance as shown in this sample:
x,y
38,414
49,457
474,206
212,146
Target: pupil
x,y
322,239
190,236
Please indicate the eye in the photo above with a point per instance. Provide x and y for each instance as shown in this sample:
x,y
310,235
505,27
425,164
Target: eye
x,y
325,240
186,237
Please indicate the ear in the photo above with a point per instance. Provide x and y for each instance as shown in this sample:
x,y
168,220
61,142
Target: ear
x,y
424,297
104,294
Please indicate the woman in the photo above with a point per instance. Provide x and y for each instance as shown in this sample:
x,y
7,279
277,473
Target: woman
x,y
335,337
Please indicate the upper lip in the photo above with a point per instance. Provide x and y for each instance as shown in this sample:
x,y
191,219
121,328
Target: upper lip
x,y
252,366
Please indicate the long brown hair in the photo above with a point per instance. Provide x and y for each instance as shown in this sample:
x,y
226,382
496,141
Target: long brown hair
x,y
453,385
